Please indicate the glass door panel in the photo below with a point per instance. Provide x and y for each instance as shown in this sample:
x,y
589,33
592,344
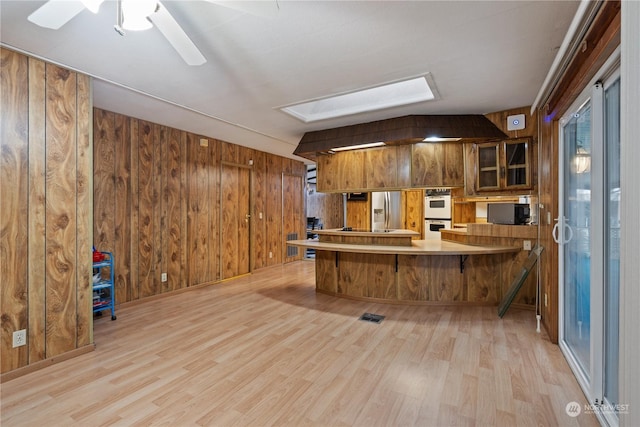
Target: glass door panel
x,y
488,167
588,234
612,240
517,164
576,202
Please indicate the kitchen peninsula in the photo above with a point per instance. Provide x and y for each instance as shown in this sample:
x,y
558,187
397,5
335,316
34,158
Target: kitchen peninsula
x,y
387,266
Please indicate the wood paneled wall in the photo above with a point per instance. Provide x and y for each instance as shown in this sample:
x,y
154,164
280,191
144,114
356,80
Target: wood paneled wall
x,y
326,206
162,202
359,213
45,214
547,212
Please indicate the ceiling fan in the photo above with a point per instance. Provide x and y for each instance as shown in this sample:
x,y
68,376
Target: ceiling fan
x,y
138,15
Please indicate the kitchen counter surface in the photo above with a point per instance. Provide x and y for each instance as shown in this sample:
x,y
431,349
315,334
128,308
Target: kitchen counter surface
x,y
488,233
362,232
367,237
417,247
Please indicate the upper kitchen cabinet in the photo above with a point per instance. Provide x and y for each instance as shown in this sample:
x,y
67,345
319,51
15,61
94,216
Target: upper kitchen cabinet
x,y
387,167
437,165
503,167
393,167
364,170
341,172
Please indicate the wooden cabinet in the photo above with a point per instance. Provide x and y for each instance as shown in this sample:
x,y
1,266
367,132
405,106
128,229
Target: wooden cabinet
x,y
502,166
385,168
392,168
437,165
341,172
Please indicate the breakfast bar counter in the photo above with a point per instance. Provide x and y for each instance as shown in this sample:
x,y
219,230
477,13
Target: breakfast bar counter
x,y
363,265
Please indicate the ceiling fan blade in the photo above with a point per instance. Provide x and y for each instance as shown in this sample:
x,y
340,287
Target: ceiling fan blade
x,y
262,8
176,36
55,13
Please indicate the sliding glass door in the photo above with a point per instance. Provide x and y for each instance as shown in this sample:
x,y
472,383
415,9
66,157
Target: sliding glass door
x,y
576,235
588,234
612,241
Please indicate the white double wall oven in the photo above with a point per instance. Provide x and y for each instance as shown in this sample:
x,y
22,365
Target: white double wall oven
x,y
437,212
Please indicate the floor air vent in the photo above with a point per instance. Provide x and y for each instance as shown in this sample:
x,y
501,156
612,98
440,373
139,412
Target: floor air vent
x,y
373,318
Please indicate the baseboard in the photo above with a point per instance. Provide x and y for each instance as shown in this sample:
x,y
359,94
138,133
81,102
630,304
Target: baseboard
x,y
16,373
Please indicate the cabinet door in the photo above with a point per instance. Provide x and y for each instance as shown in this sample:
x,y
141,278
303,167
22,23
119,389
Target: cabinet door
x,y
516,164
380,168
488,164
503,165
437,165
341,172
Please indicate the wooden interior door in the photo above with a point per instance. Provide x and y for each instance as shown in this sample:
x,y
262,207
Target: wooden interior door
x,y
236,221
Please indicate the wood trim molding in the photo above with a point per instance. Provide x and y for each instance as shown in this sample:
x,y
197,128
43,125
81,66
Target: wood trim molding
x,y
600,41
8,376
412,302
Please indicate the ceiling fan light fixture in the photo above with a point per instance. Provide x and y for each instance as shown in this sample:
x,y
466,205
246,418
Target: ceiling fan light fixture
x,y
92,5
135,13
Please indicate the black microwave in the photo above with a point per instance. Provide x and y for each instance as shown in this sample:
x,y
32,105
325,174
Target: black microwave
x,y
508,213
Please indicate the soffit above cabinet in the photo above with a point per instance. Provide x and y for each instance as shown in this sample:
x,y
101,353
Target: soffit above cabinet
x,y
399,130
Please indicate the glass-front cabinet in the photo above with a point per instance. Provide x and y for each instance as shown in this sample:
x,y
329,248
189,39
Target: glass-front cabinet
x,y
488,166
503,165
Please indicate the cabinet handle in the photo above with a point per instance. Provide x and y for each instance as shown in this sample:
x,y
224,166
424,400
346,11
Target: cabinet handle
x,y
502,172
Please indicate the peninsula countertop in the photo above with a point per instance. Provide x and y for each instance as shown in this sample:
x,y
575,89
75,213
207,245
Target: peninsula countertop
x,y
366,233
417,247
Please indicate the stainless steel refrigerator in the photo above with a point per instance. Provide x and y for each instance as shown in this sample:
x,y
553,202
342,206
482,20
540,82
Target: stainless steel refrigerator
x,y
386,210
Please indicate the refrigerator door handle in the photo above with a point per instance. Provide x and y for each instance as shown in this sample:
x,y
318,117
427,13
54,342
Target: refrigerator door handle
x,y
386,210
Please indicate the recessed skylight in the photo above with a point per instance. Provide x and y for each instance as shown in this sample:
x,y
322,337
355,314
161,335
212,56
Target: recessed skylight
x,y
394,94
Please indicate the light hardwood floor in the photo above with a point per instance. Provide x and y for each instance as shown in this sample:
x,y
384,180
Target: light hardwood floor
x,y
265,349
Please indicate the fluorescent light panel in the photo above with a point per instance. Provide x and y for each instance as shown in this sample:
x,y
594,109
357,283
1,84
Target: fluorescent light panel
x,y
356,147
377,98
439,139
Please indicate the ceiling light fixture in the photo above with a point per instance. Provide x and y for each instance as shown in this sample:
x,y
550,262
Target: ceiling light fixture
x,y
395,94
440,139
582,161
357,147
135,13
92,5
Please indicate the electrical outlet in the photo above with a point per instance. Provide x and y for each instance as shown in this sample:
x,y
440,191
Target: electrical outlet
x,y
545,299
270,254
163,277
526,245
19,338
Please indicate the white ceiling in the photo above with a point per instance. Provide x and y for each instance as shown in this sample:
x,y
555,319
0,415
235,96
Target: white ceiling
x,y
484,56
